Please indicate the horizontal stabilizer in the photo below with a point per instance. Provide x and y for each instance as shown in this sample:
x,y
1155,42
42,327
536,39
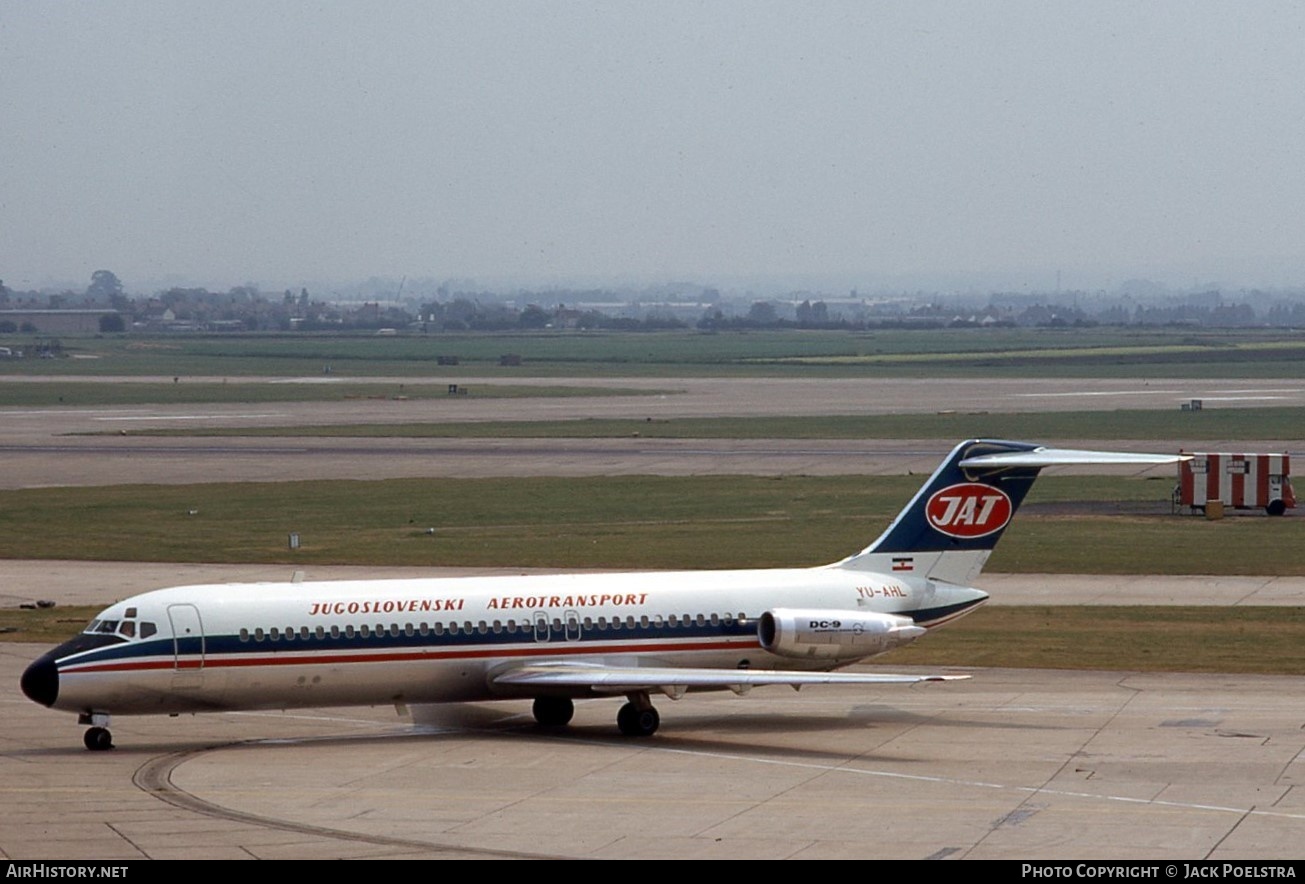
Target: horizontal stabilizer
x,y
1065,457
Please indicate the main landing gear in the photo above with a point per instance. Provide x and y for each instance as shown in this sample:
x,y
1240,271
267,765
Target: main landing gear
x,y
97,738
637,718
553,711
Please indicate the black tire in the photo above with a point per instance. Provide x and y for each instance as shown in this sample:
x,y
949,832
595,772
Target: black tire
x,y
553,711
636,722
1276,507
97,739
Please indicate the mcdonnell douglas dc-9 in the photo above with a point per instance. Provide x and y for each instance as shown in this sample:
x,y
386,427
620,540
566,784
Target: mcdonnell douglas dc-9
x,y
554,638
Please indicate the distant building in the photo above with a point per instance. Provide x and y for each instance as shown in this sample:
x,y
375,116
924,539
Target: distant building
x,y
57,322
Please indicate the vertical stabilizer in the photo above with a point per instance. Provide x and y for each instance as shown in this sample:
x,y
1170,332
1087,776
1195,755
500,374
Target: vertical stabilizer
x,y
951,526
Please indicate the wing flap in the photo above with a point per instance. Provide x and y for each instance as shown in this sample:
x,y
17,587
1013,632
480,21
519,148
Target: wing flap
x,y
622,679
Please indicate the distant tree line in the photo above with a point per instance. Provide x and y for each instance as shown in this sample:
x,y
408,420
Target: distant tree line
x,y
246,308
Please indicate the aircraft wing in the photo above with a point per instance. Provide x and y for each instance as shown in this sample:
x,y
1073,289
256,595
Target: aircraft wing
x,y
674,681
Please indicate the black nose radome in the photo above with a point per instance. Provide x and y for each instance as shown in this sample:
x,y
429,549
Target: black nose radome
x,y
41,681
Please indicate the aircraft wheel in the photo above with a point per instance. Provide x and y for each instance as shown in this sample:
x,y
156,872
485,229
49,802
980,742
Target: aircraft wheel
x,y
553,711
97,739
636,722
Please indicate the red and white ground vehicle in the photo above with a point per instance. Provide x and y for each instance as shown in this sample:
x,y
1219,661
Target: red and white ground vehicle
x,y
1237,481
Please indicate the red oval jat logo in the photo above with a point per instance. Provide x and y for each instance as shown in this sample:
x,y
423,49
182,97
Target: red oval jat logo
x,y
969,510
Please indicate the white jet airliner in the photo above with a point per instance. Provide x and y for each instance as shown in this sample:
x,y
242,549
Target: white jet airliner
x,y
554,638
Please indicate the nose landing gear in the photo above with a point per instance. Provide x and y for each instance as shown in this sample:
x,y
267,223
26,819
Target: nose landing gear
x,y
97,738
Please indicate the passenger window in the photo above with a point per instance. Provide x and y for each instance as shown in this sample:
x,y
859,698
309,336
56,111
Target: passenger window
x,y
274,633
258,634
304,633
320,632
244,635
349,631
365,631
335,632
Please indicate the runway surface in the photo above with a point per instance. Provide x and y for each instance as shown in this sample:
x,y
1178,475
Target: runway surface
x,y
1008,764
68,445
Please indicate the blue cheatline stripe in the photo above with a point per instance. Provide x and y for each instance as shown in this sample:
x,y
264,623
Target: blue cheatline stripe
x,y
930,617
219,646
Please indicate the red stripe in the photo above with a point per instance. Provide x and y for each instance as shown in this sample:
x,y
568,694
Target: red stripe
x,y
1213,472
1262,481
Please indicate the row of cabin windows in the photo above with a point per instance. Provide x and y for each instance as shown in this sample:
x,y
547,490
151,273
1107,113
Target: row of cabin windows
x,y
498,627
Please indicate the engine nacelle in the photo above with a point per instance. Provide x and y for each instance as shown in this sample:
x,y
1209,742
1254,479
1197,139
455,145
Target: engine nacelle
x,y
833,635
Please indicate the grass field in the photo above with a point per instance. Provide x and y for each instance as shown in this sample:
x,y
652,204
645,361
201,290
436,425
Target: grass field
x,y
1228,423
1263,640
620,522
997,352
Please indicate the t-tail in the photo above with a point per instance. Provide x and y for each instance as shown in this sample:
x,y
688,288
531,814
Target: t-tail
x,y
951,526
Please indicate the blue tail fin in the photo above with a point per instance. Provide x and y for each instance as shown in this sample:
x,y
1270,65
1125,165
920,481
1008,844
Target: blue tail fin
x,y
950,527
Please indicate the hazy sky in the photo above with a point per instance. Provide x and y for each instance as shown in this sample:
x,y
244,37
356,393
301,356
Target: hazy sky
x,y
287,141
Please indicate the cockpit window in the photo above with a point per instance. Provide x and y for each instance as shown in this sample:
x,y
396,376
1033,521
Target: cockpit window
x,y
147,629
92,626
127,629
108,627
